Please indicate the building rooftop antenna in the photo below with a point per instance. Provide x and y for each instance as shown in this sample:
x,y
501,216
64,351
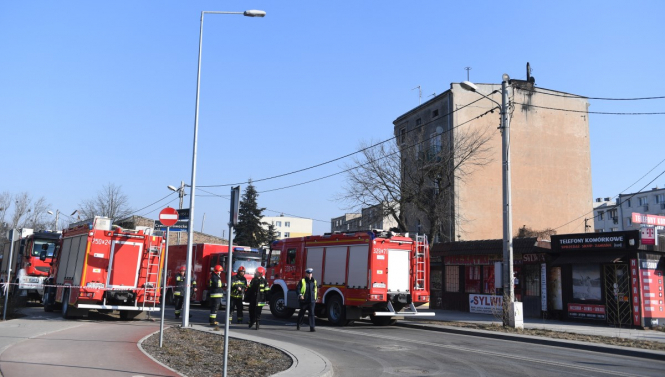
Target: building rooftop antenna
x,y
420,95
467,73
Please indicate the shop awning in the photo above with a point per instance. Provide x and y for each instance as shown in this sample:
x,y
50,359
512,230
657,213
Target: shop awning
x,y
582,258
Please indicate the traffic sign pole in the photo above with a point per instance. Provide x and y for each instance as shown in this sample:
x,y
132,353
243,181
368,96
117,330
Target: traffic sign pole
x,y
164,271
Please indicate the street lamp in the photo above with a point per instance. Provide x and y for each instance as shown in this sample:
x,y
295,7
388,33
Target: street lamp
x,y
515,317
57,214
180,190
190,232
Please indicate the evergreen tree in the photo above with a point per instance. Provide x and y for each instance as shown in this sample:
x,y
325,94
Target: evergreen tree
x,y
250,231
272,234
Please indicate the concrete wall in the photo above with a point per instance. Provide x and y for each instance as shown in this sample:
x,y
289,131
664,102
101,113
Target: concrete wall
x,y
550,161
550,164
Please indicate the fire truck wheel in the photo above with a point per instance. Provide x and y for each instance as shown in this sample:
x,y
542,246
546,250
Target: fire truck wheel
x,y
48,304
336,312
65,305
382,321
278,308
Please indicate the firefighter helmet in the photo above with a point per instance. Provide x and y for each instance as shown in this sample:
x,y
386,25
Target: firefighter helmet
x,y
261,270
241,269
219,268
182,269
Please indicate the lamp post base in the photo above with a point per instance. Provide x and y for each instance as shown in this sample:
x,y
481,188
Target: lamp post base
x,y
515,315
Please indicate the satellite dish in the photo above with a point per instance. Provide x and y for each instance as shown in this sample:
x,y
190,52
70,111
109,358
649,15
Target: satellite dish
x,y
439,130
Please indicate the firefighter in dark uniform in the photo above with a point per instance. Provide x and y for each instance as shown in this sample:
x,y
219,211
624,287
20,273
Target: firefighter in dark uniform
x,y
238,288
257,295
307,294
179,291
215,292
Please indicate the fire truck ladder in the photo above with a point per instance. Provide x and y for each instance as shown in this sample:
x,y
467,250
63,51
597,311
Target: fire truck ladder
x,y
151,278
420,260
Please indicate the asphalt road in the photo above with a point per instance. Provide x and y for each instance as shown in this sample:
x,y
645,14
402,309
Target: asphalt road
x,y
357,350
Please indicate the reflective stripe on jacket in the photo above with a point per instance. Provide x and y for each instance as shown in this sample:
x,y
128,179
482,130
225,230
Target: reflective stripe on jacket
x,y
216,286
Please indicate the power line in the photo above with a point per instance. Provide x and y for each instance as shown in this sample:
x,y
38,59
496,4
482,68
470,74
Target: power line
x,y
267,209
150,205
617,196
349,154
585,111
598,98
398,151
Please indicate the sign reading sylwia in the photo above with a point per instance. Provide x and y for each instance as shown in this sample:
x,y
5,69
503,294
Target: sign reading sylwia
x,y
485,304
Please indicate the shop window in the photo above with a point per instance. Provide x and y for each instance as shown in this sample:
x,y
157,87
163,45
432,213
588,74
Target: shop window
x,y
452,278
488,280
472,279
586,282
532,280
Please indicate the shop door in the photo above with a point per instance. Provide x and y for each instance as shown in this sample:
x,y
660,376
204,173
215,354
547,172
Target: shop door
x,y
617,293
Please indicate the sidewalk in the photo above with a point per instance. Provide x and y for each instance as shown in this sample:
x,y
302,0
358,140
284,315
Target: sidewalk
x,y
545,324
441,317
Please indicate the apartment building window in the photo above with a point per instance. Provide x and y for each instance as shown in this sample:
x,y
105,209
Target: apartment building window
x,y
629,221
278,223
643,200
660,198
419,122
287,234
601,215
287,224
613,213
628,203
402,135
614,229
452,278
435,113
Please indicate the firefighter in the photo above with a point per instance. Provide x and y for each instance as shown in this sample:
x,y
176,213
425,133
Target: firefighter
x,y
257,295
179,291
216,291
238,288
307,295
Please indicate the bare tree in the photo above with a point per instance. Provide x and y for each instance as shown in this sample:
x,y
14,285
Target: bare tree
x,y
23,212
415,180
544,234
110,202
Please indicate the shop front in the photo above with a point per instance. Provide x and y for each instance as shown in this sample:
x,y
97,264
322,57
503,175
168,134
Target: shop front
x,y
608,278
471,275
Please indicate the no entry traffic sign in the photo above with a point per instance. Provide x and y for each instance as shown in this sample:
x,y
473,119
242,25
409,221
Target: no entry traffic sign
x,y
168,216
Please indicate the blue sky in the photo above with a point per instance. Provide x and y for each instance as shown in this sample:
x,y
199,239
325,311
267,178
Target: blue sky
x,y
99,92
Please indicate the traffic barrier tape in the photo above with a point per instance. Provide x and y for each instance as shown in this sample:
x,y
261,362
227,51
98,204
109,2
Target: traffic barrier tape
x,y
5,286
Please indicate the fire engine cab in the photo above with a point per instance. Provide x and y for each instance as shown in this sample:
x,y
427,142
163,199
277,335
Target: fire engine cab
x,y
360,274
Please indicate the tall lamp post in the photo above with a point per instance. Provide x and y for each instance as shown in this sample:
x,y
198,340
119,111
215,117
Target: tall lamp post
x,y
514,317
190,233
181,194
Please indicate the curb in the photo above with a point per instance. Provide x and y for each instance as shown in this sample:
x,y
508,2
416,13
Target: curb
x,y
304,362
616,350
138,344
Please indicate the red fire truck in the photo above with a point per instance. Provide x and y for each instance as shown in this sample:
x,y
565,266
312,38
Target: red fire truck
x,y
28,271
359,274
106,268
205,257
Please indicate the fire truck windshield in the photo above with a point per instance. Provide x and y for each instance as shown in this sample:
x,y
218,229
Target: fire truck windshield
x,y
249,264
37,248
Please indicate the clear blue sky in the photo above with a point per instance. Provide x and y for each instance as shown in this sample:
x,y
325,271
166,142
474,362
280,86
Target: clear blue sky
x,y
93,92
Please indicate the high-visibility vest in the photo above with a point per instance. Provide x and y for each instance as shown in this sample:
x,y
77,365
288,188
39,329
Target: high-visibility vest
x,y
303,288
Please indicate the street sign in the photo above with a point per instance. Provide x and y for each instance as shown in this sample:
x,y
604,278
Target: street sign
x,y
183,214
235,204
180,226
168,216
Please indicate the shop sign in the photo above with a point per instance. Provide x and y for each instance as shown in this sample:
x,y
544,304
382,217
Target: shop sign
x,y
533,258
640,218
611,240
543,287
651,282
648,236
586,311
636,305
485,304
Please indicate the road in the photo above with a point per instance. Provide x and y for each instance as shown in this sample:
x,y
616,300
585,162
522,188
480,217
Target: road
x,y
357,350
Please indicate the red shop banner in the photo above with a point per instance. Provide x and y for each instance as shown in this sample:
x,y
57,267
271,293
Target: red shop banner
x,y
635,287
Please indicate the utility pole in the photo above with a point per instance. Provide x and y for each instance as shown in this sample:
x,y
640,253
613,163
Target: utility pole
x,y
586,225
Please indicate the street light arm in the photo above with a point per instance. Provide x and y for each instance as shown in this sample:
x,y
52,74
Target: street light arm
x,y
471,87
